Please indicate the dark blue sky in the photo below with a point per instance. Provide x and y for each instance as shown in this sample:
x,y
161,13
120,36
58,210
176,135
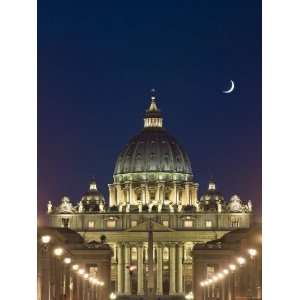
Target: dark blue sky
x,y
98,60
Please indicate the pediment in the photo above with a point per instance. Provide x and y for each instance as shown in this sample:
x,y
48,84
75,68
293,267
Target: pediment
x,y
155,227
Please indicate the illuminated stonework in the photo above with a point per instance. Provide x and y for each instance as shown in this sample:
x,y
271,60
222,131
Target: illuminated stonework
x,y
152,179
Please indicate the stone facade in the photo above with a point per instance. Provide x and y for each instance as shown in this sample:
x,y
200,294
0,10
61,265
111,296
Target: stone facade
x,y
215,258
62,254
152,180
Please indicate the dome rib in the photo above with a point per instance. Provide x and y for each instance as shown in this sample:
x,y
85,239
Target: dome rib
x,y
153,150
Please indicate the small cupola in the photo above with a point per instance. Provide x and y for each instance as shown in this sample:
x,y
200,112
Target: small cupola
x,y
211,185
153,117
93,186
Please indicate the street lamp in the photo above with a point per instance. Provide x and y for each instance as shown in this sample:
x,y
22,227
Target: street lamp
x,y
241,260
225,271
252,252
67,260
75,267
58,251
46,239
101,283
112,296
232,267
81,271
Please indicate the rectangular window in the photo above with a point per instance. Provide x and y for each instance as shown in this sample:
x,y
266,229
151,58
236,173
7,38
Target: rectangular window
x,y
208,224
133,223
166,223
111,223
188,223
210,270
91,224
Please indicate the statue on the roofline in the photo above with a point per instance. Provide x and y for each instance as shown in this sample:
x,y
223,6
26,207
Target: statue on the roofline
x,y
49,207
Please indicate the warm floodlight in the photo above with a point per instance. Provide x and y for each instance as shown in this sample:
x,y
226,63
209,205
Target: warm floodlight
x,y
75,267
232,267
58,251
81,271
252,252
112,296
220,275
189,296
46,239
86,276
225,271
241,260
101,283
67,260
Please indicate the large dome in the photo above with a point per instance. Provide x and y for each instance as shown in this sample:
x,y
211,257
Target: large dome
x,y
153,149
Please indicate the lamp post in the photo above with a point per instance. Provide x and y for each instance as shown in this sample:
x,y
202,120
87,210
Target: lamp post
x,y
232,268
58,288
252,252
45,280
242,288
131,269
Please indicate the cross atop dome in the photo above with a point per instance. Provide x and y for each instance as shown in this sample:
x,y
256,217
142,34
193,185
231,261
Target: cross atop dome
x,y
153,117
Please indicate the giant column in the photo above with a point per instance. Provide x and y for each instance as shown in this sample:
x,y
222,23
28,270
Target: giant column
x,y
112,195
172,289
159,283
175,194
127,289
179,268
120,269
140,290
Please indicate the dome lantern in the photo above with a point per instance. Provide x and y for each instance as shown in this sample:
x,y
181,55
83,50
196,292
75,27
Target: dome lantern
x,y
153,117
211,185
93,186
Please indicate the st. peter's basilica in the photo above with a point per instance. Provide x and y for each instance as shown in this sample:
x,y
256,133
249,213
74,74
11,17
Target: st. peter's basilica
x,y
152,184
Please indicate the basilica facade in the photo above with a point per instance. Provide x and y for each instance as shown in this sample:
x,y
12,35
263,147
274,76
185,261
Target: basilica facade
x,y
152,183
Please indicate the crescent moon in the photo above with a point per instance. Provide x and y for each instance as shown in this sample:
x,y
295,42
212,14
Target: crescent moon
x,y
231,88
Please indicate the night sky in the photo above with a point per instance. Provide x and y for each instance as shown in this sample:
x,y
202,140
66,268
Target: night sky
x,y
98,61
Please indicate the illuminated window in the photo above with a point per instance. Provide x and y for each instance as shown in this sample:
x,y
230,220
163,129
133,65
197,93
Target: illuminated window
x,y
111,223
166,223
134,253
133,223
91,224
208,224
188,223
165,254
210,271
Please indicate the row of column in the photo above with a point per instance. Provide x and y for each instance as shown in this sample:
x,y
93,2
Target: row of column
x,y
175,268
127,195
58,282
241,284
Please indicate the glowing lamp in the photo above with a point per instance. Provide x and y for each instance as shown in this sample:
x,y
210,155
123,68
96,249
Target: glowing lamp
x,y
241,260
58,251
46,239
67,260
